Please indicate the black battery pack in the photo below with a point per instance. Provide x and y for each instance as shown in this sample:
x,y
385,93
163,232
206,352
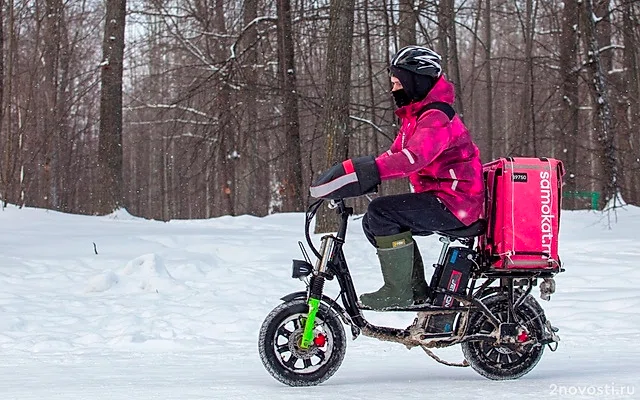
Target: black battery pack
x,y
453,276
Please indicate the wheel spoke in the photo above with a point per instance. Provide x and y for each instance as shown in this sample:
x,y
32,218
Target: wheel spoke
x,y
322,325
282,348
283,331
498,355
307,362
491,350
321,355
509,358
519,351
291,362
297,323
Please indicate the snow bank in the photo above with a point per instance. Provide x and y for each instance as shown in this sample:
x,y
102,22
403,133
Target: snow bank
x,y
147,273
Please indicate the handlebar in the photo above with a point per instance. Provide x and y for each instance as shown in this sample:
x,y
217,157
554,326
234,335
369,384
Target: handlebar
x,y
311,212
343,211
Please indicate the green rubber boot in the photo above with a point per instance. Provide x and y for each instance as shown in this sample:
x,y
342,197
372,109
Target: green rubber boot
x,y
395,253
421,291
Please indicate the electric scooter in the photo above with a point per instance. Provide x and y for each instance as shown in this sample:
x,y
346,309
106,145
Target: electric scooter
x,y
501,327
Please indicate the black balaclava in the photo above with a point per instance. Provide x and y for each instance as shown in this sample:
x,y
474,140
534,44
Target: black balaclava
x,y
401,98
415,86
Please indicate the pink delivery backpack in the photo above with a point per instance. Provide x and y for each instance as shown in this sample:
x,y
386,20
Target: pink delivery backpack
x,y
522,206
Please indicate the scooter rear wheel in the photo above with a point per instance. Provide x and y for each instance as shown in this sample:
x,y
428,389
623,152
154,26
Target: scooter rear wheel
x,y
279,344
502,362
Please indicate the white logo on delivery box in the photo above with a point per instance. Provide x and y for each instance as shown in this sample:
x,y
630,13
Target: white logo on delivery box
x,y
546,217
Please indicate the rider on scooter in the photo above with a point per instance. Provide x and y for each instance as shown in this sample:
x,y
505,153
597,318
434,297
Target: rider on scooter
x,y
435,150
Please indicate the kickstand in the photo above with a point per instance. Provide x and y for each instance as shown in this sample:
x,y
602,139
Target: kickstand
x,y
441,361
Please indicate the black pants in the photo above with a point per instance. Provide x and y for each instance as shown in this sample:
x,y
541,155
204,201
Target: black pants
x,y
420,213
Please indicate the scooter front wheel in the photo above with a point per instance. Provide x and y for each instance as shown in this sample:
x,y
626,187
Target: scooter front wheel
x,y
280,350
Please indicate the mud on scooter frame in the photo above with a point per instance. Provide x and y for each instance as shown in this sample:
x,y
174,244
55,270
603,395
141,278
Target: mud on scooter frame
x,y
515,284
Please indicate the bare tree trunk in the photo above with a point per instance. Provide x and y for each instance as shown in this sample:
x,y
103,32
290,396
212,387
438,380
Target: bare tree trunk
x,y
7,156
151,174
64,152
335,119
227,144
529,121
10,183
2,100
632,94
292,196
603,118
165,182
472,110
258,188
374,147
389,43
570,97
454,64
406,36
15,138
488,78
407,23
603,32
51,132
110,144
444,20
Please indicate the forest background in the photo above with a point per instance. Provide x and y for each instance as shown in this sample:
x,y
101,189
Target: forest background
x,y
201,108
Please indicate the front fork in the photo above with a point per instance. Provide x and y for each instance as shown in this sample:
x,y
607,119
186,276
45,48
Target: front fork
x,y
316,286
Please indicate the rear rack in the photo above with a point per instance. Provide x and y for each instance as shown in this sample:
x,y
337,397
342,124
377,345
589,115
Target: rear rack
x,y
519,272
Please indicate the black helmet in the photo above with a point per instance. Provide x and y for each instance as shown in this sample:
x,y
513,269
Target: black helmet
x,y
419,60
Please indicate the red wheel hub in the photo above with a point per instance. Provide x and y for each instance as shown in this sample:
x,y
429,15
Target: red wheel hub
x,y
523,336
320,340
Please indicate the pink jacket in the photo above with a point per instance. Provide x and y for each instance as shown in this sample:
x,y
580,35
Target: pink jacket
x,y
437,155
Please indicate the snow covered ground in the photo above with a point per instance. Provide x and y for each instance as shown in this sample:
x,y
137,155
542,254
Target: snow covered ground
x,y
172,311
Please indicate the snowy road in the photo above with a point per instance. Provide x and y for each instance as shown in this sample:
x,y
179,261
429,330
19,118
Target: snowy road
x,y
395,373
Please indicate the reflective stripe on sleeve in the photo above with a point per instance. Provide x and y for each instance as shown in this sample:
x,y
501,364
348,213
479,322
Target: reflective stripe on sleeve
x,y
331,186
